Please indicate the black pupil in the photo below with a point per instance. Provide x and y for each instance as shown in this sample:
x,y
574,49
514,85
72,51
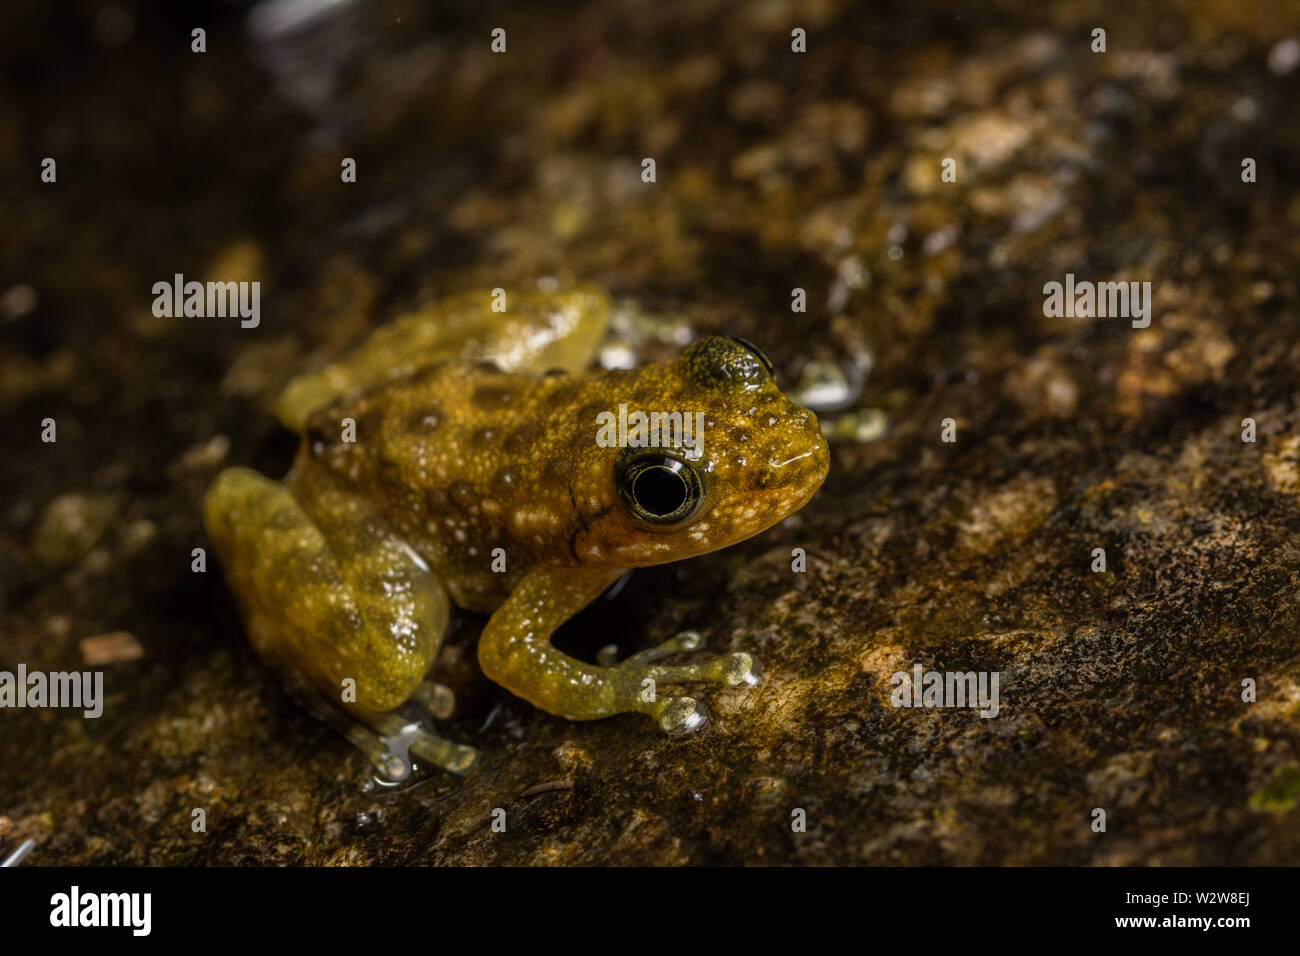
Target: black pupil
x,y
659,490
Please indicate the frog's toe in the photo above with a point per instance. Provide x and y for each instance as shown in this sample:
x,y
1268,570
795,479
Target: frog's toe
x,y
607,656
437,700
387,764
452,757
402,738
734,670
740,670
467,761
681,715
393,767
678,644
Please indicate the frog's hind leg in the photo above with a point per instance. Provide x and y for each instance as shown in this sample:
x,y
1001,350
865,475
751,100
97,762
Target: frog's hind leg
x,y
333,601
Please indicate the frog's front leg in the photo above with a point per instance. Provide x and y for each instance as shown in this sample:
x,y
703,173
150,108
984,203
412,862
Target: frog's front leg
x,y
335,602
515,650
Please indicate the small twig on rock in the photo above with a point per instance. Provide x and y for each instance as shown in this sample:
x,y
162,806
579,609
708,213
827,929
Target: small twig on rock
x,y
548,787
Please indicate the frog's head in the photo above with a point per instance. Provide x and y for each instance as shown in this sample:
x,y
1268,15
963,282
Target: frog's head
x,y
747,457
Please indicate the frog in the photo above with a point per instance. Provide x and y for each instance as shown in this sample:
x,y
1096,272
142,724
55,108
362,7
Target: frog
x,y
453,460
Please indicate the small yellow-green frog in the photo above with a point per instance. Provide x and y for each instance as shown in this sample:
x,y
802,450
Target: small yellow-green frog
x,y
440,464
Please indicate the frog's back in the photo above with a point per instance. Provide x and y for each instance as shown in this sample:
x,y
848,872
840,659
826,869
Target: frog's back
x,y
463,448
536,331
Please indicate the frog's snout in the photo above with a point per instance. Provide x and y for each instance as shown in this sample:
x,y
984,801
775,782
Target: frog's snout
x,y
804,458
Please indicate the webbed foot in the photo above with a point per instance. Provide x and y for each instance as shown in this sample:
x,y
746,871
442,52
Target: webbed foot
x,y
681,715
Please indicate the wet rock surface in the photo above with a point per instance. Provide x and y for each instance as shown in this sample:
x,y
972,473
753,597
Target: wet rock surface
x,y
1119,689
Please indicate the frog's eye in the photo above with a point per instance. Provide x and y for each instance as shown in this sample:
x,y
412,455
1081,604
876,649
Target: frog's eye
x,y
758,354
660,489
728,365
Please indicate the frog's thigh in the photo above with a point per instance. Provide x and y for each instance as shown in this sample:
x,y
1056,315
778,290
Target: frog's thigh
x,y
515,651
329,594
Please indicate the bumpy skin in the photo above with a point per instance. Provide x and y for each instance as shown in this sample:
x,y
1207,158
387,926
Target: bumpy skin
x,y
462,447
